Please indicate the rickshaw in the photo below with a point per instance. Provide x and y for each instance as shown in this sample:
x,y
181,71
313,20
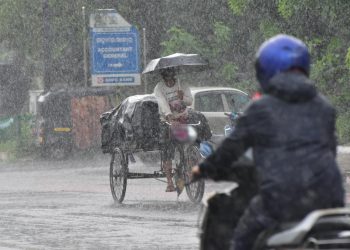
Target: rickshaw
x,y
134,127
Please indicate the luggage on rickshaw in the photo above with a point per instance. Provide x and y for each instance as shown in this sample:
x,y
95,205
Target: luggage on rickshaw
x,y
133,125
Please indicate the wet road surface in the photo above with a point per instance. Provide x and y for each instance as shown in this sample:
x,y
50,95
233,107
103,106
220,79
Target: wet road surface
x,y
68,205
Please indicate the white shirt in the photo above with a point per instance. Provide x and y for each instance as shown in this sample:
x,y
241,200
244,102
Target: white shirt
x,y
166,95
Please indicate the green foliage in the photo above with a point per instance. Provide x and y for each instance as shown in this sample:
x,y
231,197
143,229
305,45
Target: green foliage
x,y
246,85
8,146
20,22
22,28
237,6
18,141
230,43
327,68
181,41
220,41
229,71
8,150
269,28
313,44
347,58
26,139
222,33
286,8
343,128
229,36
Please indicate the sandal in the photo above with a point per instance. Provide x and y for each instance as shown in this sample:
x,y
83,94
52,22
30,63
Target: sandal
x,y
170,188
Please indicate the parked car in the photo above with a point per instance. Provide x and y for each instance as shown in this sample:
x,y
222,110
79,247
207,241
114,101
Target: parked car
x,y
213,102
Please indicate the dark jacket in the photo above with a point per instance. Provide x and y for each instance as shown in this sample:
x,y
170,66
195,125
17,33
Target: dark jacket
x,y
292,132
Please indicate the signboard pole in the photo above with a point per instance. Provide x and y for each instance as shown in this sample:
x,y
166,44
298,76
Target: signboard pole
x,y
85,47
144,58
46,46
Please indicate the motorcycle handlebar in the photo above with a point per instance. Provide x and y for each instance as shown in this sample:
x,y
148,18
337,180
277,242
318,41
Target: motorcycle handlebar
x,y
189,124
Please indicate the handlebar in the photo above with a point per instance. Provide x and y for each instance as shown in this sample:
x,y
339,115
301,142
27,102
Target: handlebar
x,y
233,115
188,124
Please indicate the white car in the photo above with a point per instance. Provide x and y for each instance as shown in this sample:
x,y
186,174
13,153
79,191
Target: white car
x,y
214,102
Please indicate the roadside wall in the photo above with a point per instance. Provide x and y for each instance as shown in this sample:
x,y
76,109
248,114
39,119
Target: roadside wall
x,y
85,115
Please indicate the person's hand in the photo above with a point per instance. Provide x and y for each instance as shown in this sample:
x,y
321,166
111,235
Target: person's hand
x,y
196,172
169,117
183,105
180,94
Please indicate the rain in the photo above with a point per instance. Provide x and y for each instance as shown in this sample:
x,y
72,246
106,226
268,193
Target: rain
x,y
111,113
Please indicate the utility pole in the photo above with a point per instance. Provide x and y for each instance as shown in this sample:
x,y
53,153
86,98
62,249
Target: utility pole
x,y
47,47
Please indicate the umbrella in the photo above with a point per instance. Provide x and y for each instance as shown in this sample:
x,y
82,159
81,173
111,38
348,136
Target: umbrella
x,y
178,61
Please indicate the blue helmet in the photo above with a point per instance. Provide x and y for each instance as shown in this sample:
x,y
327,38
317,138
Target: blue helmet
x,y
281,53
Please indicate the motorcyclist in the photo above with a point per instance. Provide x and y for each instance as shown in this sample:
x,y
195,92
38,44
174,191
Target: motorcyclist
x,y
172,98
291,130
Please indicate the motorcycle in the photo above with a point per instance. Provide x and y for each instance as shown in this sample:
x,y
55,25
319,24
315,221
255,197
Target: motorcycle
x,y
220,213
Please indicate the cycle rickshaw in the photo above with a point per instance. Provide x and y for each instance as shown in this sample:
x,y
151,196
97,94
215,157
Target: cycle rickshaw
x,y
134,127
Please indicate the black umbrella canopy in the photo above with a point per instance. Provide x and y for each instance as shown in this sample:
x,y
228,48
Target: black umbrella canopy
x,y
180,62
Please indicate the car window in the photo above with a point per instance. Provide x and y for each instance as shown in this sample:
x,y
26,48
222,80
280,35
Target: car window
x,y
236,101
209,102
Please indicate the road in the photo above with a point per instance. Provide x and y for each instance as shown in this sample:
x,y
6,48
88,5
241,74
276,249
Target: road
x,y
68,205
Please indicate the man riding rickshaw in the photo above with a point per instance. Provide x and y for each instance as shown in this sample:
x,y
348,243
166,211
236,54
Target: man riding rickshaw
x,y
158,122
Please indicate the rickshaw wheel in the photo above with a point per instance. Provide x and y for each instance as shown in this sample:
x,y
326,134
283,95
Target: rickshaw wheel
x,y
118,175
195,190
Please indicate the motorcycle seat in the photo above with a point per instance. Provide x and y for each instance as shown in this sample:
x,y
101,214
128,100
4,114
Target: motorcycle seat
x,y
316,223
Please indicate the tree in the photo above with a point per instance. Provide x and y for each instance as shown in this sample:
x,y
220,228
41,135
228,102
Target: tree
x,y
230,41
227,32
